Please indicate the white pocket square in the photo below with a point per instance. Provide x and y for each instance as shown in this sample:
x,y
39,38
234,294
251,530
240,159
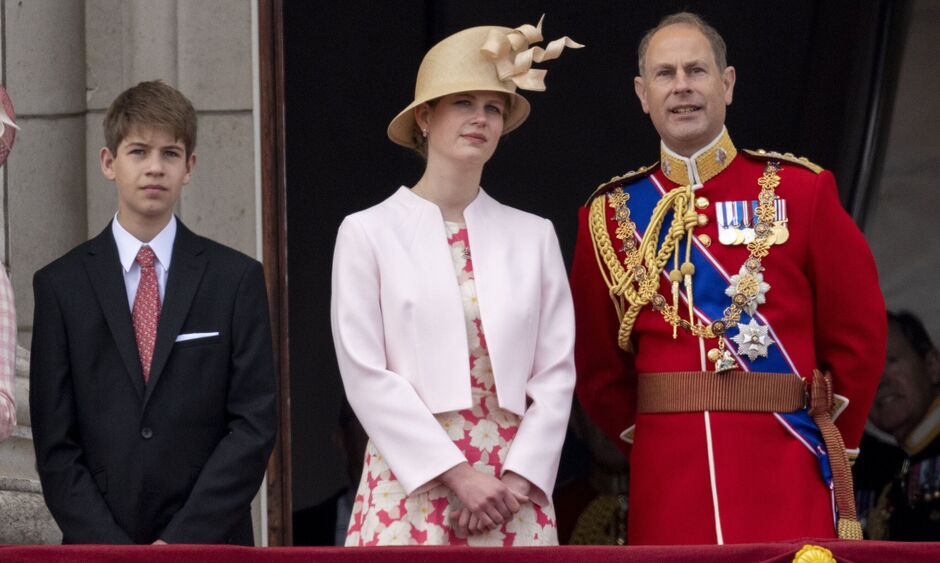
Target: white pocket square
x,y
195,335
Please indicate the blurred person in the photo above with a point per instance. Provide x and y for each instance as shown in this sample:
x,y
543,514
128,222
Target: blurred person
x,y
900,479
8,130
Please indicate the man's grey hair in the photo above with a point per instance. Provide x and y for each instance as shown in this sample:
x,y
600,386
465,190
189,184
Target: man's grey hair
x,y
719,49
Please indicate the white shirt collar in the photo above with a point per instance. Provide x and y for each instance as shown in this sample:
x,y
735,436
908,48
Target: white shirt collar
x,y
128,245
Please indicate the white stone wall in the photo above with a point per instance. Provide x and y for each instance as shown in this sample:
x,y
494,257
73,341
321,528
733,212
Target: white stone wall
x,y
902,229
202,47
63,62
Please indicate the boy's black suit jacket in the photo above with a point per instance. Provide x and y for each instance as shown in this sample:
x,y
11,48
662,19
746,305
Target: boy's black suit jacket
x,y
181,457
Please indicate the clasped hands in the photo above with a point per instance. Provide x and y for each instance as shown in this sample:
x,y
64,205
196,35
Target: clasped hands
x,y
488,502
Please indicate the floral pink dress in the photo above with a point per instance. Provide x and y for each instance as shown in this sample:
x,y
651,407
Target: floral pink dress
x,y
384,515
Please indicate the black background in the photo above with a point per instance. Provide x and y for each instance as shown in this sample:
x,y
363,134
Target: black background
x,y
805,84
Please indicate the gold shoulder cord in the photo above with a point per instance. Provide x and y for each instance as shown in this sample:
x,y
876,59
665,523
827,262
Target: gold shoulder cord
x,y
634,284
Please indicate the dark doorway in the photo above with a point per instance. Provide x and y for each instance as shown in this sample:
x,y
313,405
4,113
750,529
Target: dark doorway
x,y
809,76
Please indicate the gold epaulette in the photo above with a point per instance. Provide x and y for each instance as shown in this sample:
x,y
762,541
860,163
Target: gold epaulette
x,y
786,157
619,180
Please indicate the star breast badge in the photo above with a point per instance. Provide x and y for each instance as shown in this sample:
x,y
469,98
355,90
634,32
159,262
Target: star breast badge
x,y
752,286
753,340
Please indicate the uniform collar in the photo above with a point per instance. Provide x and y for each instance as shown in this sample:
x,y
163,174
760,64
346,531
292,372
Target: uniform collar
x,y
926,431
701,166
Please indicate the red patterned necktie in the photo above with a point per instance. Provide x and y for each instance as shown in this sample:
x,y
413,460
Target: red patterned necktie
x,y
146,308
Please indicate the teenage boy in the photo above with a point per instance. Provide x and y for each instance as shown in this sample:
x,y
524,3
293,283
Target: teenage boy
x,y
152,380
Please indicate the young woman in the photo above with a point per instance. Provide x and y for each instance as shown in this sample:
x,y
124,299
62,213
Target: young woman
x,y
453,322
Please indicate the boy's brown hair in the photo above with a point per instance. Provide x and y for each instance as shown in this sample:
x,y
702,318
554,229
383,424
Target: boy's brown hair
x,y
151,104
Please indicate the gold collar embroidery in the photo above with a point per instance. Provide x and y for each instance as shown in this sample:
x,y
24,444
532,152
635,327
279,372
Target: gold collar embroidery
x,y
701,166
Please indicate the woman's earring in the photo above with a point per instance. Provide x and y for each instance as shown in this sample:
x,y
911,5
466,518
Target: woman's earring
x,y
425,133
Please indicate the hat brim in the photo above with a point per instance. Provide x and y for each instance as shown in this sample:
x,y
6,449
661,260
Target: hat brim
x,y
401,129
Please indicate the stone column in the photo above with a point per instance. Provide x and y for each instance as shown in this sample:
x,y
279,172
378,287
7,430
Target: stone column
x,y
43,67
24,518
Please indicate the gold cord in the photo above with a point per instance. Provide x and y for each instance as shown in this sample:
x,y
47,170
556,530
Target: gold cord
x,y
635,283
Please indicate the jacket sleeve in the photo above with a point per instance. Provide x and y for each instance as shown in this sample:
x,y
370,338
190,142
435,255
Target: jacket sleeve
x,y
536,449
233,473
70,492
397,421
849,311
606,379
7,357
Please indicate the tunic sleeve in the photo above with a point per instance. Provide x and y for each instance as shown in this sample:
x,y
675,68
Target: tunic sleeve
x,y
606,378
849,311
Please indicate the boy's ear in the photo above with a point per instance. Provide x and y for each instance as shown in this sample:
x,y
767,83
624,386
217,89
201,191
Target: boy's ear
x,y
107,163
190,165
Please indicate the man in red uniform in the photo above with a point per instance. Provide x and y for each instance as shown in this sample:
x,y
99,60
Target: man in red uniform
x,y
728,310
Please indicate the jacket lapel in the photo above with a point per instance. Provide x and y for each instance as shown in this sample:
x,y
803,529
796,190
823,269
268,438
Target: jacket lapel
x,y
443,369
494,264
104,269
186,270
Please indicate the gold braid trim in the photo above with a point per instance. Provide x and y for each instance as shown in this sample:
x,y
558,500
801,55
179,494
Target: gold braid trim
x,y
603,522
632,287
761,154
604,253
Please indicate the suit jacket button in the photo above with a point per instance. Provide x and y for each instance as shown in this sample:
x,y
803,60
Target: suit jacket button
x,y
146,433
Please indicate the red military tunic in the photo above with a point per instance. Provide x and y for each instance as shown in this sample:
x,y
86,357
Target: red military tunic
x,y
732,477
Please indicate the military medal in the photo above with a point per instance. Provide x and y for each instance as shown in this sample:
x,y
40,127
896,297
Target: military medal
x,y
634,281
727,224
748,235
727,236
753,340
752,286
781,232
737,222
722,358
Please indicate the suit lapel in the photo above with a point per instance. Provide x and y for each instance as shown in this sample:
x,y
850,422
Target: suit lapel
x,y
186,270
104,269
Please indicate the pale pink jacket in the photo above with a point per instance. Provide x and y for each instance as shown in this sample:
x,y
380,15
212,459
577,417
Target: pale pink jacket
x,y
401,342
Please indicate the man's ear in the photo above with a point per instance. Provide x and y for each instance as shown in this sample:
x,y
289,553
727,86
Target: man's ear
x,y
107,163
932,364
640,88
727,78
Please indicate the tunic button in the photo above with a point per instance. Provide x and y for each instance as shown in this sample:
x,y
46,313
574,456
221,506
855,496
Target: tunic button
x,y
705,240
701,202
146,433
702,220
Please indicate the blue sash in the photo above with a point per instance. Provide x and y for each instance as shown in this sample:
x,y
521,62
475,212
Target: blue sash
x,y
710,300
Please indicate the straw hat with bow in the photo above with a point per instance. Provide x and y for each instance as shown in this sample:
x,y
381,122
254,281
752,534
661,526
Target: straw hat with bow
x,y
486,58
